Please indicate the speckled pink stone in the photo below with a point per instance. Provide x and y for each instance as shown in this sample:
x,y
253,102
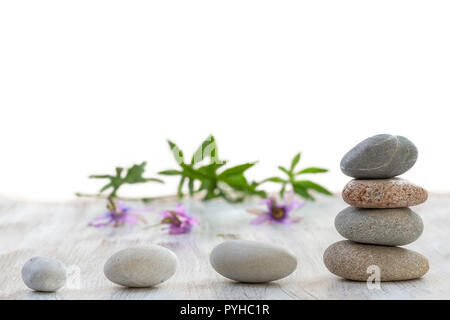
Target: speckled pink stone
x,y
383,193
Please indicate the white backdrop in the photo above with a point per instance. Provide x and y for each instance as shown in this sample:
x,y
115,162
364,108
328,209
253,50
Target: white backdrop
x,y
89,85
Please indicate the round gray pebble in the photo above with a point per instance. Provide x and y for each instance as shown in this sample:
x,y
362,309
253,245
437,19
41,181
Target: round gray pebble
x,y
44,274
389,227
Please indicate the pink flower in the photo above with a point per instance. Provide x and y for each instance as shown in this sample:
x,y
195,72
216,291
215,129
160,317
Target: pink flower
x,y
277,212
179,220
119,214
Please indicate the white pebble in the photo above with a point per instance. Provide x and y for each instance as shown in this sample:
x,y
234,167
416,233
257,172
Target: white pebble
x,y
141,266
44,274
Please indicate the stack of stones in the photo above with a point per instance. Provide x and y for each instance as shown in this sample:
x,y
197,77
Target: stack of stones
x,y
379,218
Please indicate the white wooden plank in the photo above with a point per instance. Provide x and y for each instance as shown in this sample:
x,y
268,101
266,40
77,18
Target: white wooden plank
x,y
60,230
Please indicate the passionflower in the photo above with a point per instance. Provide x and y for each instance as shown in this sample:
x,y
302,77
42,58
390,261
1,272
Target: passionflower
x,y
118,215
277,212
178,220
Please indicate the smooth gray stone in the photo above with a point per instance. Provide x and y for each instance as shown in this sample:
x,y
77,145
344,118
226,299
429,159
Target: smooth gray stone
x,y
141,267
252,261
355,261
389,227
379,157
44,274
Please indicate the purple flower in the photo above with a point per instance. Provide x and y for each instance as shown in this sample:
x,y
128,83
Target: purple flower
x,y
179,220
119,214
277,212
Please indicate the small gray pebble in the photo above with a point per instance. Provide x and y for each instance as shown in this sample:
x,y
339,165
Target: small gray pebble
x,y
44,274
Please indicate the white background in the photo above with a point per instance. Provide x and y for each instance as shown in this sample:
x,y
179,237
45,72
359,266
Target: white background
x,y
89,85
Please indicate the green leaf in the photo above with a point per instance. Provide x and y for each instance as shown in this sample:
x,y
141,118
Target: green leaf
x,y
170,172
210,169
177,153
237,181
302,191
240,183
312,185
97,176
134,174
273,179
106,187
261,193
153,180
312,170
284,170
295,161
237,170
192,173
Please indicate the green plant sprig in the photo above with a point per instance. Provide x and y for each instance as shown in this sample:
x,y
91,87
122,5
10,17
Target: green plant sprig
x,y
206,175
209,179
123,176
300,187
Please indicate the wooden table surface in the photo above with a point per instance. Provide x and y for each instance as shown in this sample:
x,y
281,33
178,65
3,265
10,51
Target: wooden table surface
x,y
60,230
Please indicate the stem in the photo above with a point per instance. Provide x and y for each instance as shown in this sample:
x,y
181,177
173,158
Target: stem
x,y
224,195
283,190
102,196
180,187
111,204
152,226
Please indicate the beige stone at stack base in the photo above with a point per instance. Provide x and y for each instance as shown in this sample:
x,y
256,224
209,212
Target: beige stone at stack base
x,y
355,261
